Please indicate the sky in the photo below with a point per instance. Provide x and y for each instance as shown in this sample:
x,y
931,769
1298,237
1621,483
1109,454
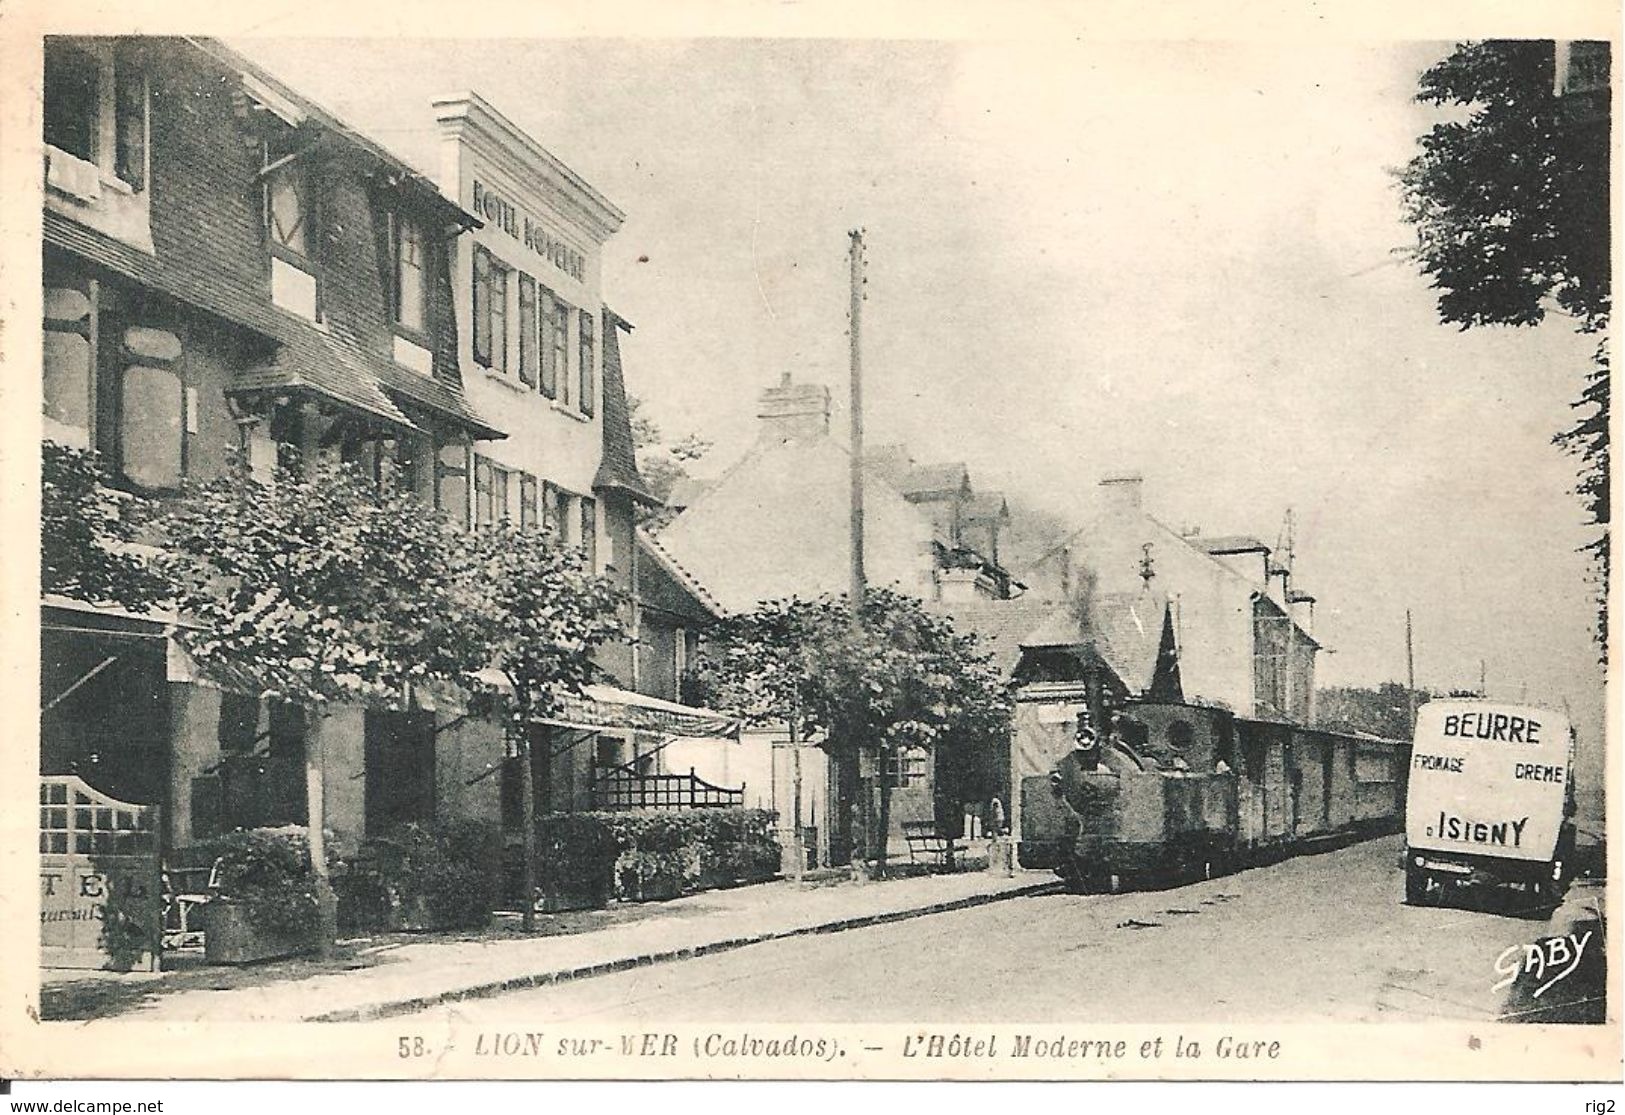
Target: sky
x,y
1184,259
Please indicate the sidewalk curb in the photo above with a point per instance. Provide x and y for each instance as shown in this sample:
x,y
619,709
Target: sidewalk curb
x,y
375,1011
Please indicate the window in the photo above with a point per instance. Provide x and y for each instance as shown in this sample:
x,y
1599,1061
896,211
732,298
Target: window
x,y
239,723
529,511
499,491
73,82
287,202
68,379
290,231
529,353
411,275
95,111
451,482
587,355
130,121
909,766
589,532
151,424
492,486
555,347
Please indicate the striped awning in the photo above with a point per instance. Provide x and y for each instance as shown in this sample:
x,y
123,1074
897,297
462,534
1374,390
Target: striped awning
x,y
604,706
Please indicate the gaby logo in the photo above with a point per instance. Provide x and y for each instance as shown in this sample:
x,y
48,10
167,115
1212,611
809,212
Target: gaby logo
x,y
1559,955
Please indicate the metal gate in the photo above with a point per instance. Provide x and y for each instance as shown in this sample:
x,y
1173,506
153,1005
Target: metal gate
x,y
101,899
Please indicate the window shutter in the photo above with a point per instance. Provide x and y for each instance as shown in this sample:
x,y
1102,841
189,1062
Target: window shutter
x,y
550,369
587,354
527,501
482,306
527,330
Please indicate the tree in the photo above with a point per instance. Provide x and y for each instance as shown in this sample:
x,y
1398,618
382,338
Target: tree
x,y
319,589
543,611
663,465
1384,711
88,535
902,679
1510,207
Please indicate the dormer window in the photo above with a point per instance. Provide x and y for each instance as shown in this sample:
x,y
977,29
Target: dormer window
x,y
411,275
73,80
290,233
95,118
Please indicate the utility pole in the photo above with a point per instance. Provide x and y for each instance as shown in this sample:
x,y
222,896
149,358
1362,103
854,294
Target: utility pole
x,y
855,594
1410,674
858,579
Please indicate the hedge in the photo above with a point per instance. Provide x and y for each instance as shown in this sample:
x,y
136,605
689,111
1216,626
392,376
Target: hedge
x,y
620,852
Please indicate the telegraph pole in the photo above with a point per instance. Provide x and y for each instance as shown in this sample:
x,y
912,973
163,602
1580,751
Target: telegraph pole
x,y
856,594
1410,674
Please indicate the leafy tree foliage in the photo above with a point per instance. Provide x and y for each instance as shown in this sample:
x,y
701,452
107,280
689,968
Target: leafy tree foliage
x,y
1510,205
542,609
1384,711
663,464
902,678
88,535
320,589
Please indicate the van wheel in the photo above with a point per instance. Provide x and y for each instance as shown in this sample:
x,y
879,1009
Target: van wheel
x,y
1416,885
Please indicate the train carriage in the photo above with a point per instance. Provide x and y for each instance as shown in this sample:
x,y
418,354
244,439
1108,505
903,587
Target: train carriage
x,y
1173,791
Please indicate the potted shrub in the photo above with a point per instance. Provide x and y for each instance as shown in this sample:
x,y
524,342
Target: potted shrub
x,y
577,854
438,876
265,899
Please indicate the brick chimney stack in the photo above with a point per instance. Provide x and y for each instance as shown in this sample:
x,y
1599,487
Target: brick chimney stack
x,y
793,411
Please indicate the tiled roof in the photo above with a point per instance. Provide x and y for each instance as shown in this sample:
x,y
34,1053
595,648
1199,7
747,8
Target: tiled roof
x,y
923,479
687,490
1129,628
1000,626
678,574
194,287
618,468
401,171
305,357
1124,629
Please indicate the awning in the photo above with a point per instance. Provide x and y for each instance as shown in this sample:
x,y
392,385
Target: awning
x,y
606,708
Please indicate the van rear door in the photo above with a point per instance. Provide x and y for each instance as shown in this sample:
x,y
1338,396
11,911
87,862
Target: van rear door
x,y
1487,779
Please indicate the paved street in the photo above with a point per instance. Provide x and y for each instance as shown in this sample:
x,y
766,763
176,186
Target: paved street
x,y
1316,938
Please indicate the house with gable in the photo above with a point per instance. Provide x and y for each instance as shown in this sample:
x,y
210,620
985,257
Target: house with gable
x,y
228,267
776,524
1243,631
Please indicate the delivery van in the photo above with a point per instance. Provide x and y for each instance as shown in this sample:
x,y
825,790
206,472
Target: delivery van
x,y
1490,801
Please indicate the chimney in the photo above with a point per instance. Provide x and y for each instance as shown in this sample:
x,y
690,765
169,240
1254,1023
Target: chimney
x,y
1122,493
793,411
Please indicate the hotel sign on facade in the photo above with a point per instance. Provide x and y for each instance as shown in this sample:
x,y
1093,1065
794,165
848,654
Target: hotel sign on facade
x,y
502,213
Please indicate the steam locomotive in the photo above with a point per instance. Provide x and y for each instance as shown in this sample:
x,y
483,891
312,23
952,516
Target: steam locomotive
x,y
1165,792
